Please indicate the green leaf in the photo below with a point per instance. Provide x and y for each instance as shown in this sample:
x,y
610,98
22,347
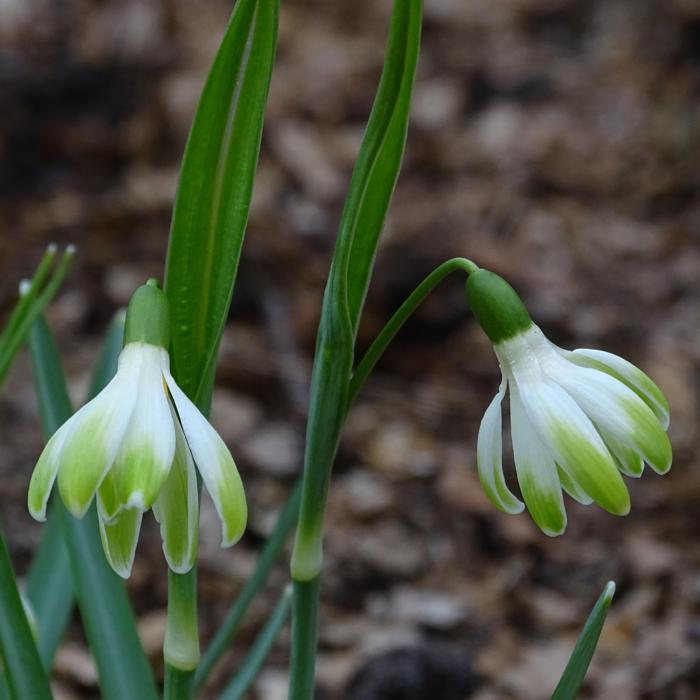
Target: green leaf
x,y
214,193
370,191
52,605
254,584
252,663
104,606
377,168
575,670
24,674
37,294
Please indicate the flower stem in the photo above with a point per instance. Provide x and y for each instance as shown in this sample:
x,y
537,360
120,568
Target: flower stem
x,y
386,335
181,646
305,605
307,557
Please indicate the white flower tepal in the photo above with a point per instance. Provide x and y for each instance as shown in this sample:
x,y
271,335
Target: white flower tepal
x,y
135,447
578,419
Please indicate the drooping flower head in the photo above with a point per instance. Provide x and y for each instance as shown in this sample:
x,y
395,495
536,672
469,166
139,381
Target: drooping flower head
x,y
578,419
135,446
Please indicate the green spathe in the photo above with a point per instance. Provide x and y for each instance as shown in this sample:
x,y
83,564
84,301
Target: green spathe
x,y
496,306
147,316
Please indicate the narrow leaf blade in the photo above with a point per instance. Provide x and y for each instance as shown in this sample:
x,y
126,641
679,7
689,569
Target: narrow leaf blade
x,y
24,674
575,670
215,189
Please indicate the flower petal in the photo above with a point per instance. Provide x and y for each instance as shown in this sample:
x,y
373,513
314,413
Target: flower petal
x,y
628,460
46,469
215,464
177,508
119,540
537,472
95,436
574,490
146,453
619,411
574,443
489,457
628,374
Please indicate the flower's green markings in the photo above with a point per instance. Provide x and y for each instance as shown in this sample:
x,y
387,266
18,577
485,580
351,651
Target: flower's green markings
x,y
496,306
135,445
578,419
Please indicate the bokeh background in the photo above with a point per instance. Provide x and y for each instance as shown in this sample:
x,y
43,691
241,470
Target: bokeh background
x,y
553,141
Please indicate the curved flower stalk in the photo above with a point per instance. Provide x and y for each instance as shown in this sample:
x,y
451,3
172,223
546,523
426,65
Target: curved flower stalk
x,y
135,446
578,419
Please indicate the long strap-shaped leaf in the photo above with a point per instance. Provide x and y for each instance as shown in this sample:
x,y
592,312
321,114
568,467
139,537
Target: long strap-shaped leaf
x,y
368,199
575,671
104,606
214,193
24,674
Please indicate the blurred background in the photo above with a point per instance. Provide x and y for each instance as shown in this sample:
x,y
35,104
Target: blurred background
x,y
553,141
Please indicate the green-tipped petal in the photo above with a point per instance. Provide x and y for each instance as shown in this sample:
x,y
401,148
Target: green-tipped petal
x,y
489,457
146,453
575,443
95,438
119,540
628,374
215,464
628,460
46,469
568,483
177,509
620,413
537,472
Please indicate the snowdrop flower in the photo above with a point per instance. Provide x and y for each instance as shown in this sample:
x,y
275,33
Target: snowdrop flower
x,y
578,419
135,446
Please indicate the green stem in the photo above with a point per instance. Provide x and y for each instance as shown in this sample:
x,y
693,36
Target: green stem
x,y
181,646
305,606
260,649
386,335
178,684
255,583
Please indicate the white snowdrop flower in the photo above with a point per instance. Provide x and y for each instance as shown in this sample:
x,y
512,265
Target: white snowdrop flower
x,y
578,419
136,446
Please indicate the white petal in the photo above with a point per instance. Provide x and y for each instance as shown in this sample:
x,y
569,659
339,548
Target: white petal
x,y
146,453
619,411
119,540
537,472
489,457
215,464
568,483
177,509
630,375
95,436
46,469
574,443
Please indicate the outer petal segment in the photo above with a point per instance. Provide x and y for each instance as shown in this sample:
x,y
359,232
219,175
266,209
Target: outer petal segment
x,y
489,457
620,413
215,464
177,508
119,540
146,453
46,469
628,374
96,435
575,443
537,472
